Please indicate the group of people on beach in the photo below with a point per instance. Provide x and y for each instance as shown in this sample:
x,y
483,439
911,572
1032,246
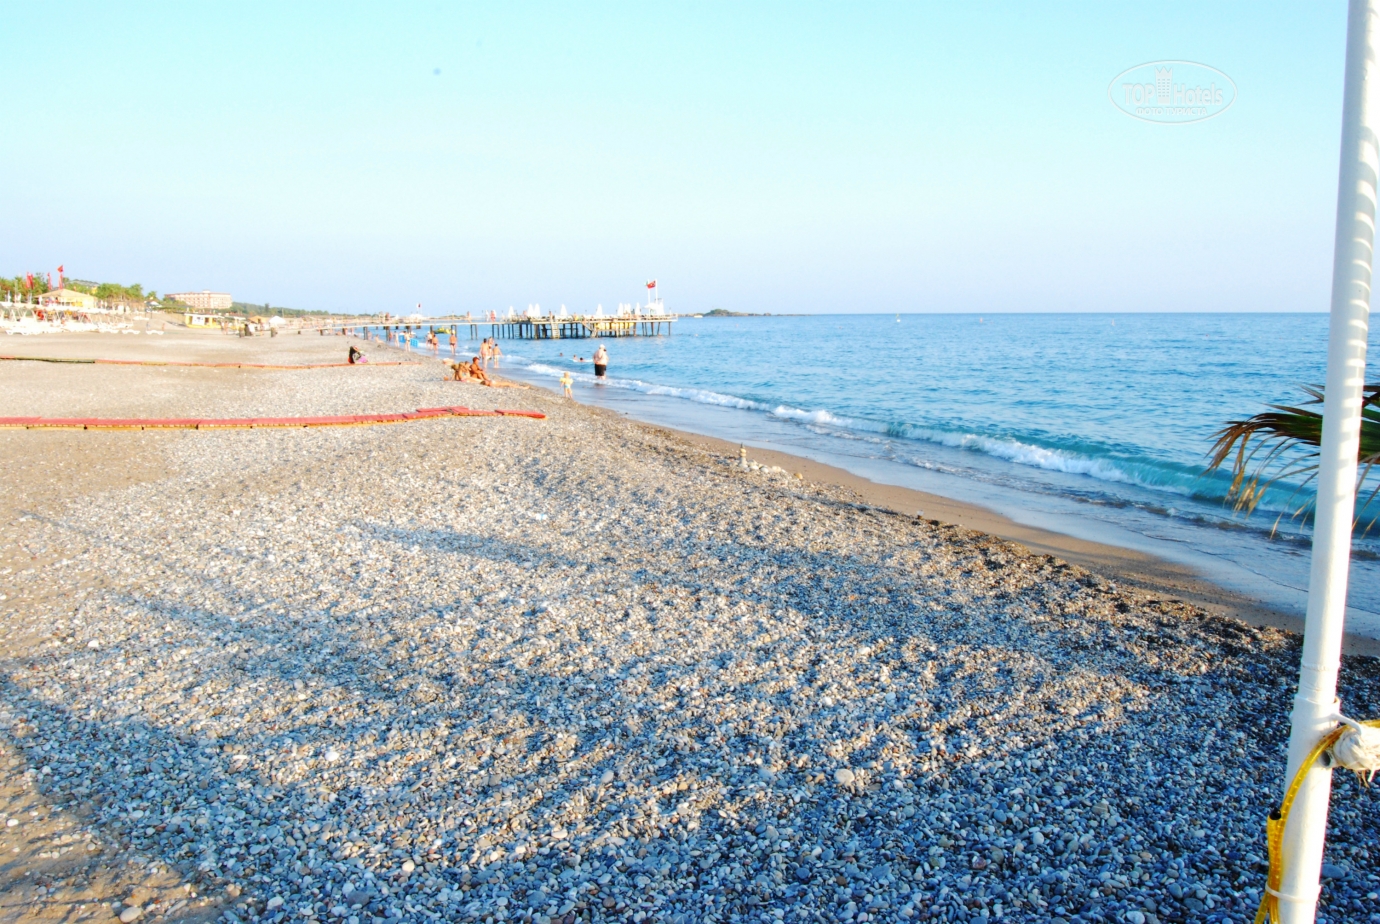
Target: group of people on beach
x,y
434,343
489,350
473,371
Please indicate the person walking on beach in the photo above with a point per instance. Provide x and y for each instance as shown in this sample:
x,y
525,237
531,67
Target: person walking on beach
x,y
566,382
452,341
601,362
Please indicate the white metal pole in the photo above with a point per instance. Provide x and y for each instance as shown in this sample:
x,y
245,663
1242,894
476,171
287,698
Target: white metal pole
x,y
1316,702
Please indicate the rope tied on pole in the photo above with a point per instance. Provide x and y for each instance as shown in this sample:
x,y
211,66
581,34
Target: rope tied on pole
x,y
1353,745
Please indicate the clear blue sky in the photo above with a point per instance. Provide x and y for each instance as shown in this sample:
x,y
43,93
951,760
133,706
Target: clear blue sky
x,y
762,157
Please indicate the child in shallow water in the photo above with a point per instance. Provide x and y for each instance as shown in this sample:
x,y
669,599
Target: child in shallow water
x,y
566,382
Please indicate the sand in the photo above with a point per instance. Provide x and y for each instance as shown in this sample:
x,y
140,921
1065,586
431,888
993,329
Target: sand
x,y
584,668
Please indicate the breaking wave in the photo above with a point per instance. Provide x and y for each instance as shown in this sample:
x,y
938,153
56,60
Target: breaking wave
x,y
1091,461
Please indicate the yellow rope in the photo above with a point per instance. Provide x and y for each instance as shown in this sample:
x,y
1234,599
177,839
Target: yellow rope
x,y
1274,827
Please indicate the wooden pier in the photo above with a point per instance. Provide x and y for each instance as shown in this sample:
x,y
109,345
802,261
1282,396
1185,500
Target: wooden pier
x,y
578,328
519,328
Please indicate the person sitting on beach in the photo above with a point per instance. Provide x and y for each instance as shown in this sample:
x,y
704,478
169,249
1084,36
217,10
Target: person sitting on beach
x,y
355,356
477,371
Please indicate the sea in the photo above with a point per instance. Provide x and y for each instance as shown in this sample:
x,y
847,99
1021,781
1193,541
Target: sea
x,y
1093,425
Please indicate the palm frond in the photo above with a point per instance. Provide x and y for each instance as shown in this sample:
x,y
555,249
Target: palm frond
x,y
1281,445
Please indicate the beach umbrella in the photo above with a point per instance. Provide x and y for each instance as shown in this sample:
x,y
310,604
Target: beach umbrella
x,y
1315,713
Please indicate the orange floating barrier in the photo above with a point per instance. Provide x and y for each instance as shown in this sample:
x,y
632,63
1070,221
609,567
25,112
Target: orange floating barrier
x,y
168,362
228,423
245,423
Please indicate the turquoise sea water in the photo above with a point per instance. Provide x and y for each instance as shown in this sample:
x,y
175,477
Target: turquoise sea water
x,y
1093,425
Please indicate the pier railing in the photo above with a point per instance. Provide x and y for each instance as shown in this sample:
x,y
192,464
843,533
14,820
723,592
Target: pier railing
x,y
522,328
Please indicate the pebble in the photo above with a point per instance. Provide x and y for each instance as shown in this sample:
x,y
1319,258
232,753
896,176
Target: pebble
x,y
132,913
319,684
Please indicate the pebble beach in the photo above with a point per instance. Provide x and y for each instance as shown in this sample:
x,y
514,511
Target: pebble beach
x,y
582,669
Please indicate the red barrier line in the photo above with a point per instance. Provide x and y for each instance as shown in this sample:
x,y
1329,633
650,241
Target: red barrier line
x,y
246,423
159,362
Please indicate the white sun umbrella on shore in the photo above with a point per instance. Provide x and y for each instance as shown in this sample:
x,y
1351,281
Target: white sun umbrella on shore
x,y
1316,710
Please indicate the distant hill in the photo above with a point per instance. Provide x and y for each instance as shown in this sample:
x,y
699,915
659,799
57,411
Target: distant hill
x,y
725,313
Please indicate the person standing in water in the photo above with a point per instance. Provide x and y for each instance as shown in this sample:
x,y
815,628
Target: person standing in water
x,y
601,361
566,382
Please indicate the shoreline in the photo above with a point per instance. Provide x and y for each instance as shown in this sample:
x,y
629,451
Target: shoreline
x,y
1146,573
1149,574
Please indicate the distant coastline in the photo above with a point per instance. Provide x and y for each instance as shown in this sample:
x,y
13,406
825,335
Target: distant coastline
x,y
725,313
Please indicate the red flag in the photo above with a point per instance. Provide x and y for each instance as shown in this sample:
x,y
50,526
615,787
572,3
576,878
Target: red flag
x,y
59,269
652,284
28,280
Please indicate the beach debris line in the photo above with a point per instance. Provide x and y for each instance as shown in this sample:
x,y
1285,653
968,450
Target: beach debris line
x,y
163,362
246,423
